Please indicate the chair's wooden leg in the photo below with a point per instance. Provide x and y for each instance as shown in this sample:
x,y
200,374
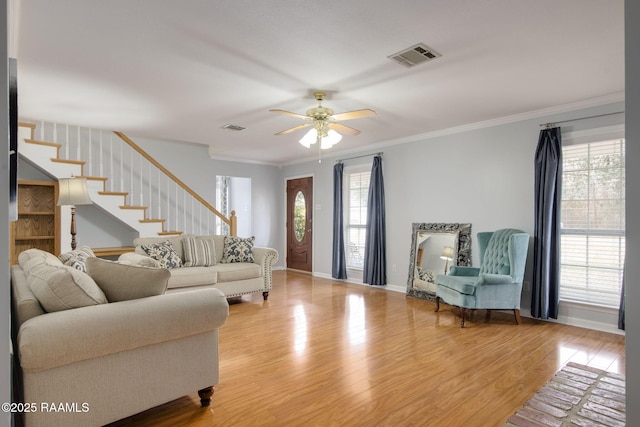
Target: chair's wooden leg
x,y
437,304
464,312
205,396
265,295
487,316
517,314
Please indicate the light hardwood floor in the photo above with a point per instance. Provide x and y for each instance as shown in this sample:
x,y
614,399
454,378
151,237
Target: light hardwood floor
x,y
325,353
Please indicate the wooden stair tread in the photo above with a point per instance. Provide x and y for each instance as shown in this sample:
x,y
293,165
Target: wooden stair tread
x,y
113,193
47,143
27,125
93,178
132,207
169,233
71,162
113,251
151,220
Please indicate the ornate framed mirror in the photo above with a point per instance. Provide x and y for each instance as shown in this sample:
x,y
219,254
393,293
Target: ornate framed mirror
x,y
434,248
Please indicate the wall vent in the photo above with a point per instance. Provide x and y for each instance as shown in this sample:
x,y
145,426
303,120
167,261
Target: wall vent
x,y
414,55
233,127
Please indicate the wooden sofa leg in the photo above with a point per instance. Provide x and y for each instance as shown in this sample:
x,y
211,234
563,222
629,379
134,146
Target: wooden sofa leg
x,y
517,314
487,316
205,396
464,312
265,295
437,304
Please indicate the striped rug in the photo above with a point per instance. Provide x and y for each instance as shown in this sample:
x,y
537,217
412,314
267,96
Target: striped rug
x,y
577,395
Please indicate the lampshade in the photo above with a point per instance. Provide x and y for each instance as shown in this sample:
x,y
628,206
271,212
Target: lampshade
x,y
73,191
447,253
330,140
309,138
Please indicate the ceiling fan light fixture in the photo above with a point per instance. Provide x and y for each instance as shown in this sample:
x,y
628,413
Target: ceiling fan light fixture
x,y
330,140
309,138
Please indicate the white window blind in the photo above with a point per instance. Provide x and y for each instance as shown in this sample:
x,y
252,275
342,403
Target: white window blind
x,y
356,193
593,223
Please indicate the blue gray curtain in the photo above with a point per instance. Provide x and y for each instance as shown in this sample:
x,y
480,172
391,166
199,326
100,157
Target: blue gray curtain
x,y
621,310
545,291
339,263
375,254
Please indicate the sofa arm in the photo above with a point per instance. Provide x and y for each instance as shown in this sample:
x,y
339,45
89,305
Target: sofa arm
x,y
139,260
65,337
265,257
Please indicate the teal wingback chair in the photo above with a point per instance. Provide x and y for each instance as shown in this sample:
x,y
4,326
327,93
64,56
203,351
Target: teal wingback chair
x,y
496,284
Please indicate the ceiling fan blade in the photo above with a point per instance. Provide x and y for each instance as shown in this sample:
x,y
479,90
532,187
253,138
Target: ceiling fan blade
x,y
293,129
356,114
289,113
340,128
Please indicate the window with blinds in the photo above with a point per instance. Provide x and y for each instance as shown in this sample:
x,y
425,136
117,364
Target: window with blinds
x,y
356,194
592,222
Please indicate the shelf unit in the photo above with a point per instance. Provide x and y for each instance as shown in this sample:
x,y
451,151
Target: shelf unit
x,y
38,224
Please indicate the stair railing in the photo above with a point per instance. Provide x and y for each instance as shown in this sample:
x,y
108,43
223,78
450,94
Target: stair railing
x,y
147,183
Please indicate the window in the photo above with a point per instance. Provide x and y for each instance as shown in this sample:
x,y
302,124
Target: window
x,y
222,203
356,194
592,222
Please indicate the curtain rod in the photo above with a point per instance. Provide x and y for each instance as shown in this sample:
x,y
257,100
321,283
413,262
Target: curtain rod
x,y
357,157
550,124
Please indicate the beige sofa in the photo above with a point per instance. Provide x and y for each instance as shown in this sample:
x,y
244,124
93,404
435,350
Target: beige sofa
x,y
232,278
95,364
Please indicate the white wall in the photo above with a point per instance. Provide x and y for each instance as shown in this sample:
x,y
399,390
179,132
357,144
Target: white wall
x,y
632,108
240,201
199,171
5,312
484,177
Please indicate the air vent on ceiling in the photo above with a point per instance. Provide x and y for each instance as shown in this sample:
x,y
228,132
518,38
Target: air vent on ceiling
x,y
414,55
233,127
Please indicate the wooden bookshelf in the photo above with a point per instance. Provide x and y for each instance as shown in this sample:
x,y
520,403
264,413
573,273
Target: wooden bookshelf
x,y
38,224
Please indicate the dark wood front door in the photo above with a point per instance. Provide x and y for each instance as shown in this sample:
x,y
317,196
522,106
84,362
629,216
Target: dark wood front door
x,y
300,223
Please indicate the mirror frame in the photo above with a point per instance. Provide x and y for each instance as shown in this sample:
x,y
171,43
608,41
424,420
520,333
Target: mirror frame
x,y
463,251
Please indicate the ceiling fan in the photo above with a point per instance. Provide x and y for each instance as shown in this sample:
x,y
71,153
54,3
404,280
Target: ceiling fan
x,y
324,124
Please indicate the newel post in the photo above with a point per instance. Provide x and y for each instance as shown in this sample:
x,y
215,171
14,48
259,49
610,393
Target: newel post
x,y
233,224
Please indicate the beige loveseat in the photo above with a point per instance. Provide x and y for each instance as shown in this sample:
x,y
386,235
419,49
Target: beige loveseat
x,y
104,361
215,267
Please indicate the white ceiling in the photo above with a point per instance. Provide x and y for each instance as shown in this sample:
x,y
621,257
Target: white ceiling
x,y
180,70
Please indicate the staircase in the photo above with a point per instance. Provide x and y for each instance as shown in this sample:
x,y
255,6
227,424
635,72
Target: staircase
x,y
122,179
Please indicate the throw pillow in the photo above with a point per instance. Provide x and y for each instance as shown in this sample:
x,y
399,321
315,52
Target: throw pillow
x,y
425,275
164,253
77,258
198,252
60,287
122,282
238,249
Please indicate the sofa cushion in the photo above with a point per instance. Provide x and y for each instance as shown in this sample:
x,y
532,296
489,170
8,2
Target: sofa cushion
x,y
463,285
77,258
121,282
193,276
36,256
164,253
199,252
56,286
237,271
238,249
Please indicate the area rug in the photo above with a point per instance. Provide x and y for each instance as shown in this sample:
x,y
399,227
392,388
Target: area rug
x,y
577,395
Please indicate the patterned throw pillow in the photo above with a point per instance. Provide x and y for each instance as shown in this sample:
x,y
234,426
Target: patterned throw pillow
x,y
425,275
77,258
198,252
164,253
238,249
